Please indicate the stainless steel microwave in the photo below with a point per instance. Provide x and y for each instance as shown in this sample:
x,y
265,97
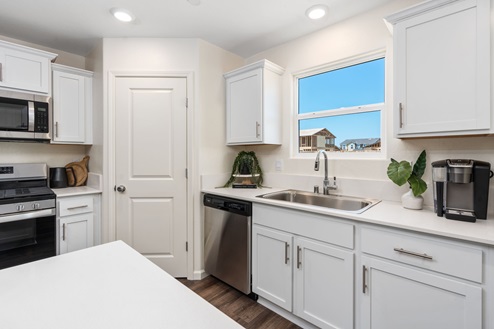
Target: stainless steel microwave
x,y
24,119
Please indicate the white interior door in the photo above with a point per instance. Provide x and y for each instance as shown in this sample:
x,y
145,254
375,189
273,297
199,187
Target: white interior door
x,y
151,158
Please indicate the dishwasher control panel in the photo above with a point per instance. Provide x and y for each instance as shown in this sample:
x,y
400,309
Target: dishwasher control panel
x,y
227,204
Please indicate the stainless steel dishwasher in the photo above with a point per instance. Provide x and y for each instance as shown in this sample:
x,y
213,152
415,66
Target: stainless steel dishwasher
x,y
227,240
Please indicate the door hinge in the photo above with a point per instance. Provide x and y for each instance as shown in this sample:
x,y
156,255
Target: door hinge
x,y
186,173
186,246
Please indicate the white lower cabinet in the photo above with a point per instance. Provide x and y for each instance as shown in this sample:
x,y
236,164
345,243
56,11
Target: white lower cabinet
x,y
337,273
414,282
323,284
401,297
76,216
310,278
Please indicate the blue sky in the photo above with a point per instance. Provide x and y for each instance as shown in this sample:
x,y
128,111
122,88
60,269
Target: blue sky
x,y
360,84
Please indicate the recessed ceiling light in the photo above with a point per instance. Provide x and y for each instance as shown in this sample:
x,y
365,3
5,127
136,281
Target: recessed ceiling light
x,y
194,2
122,15
317,11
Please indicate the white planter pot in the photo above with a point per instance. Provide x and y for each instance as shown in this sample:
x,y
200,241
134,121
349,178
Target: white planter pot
x,y
409,201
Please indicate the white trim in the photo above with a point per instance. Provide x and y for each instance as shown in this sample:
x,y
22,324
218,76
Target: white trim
x,y
348,61
296,117
110,144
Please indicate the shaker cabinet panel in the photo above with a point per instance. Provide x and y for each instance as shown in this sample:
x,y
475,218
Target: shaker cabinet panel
x,y
441,69
253,104
400,297
76,232
72,105
323,284
25,69
272,265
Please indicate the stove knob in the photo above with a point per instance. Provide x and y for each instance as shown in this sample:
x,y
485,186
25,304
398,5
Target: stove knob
x,y
36,206
20,207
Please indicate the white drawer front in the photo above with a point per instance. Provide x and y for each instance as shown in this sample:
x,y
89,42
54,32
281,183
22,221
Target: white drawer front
x,y
75,205
319,227
444,257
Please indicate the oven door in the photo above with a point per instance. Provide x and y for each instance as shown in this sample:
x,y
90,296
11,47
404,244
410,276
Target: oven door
x,y
27,237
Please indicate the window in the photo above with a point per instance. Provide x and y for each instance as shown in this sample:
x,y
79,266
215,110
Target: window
x,y
340,107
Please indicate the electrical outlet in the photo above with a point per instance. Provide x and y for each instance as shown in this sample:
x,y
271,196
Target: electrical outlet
x,y
278,165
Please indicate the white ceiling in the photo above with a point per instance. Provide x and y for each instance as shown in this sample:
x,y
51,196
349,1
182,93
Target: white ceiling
x,y
242,27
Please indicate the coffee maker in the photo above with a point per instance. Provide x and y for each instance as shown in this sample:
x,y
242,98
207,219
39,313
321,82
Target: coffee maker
x,y
461,188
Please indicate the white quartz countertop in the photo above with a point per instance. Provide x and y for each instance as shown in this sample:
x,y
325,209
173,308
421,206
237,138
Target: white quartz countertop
x,y
74,191
385,213
110,286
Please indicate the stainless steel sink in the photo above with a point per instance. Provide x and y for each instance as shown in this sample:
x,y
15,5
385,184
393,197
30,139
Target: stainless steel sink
x,y
339,202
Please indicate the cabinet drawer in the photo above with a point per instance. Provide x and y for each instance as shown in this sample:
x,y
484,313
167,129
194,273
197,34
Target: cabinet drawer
x,y
75,205
315,226
444,257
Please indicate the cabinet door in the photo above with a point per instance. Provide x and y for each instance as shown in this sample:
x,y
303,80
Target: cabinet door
x,y
442,71
76,232
400,297
69,106
24,70
323,284
272,266
244,102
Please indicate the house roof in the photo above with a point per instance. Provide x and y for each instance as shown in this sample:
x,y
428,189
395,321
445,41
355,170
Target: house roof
x,y
364,141
314,131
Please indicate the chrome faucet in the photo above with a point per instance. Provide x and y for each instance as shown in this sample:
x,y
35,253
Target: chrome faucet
x,y
326,187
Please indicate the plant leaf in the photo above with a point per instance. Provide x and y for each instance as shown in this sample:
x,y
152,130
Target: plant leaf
x,y
417,184
419,166
399,172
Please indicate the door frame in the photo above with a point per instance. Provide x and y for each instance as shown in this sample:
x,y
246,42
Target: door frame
x,y
109,155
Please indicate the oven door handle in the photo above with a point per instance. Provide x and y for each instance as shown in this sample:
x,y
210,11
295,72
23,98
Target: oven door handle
x,y
28,215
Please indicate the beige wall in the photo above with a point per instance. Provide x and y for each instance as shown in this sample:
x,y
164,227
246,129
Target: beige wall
x,y
361,34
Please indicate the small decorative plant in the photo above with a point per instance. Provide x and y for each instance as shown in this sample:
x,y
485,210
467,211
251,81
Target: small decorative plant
x,y
402,172
246,163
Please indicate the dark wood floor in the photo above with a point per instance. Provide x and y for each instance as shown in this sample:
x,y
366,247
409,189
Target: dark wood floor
x,y
245,311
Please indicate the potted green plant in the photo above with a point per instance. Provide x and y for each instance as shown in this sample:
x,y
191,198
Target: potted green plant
x,y
403,172
245,165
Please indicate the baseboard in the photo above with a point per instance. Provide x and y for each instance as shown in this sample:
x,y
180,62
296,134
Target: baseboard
x,y
287,315
199,275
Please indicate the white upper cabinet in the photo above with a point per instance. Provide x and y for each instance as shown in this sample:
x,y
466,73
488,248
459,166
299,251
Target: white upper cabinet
x,y
253,104
442,69
24,68
72,105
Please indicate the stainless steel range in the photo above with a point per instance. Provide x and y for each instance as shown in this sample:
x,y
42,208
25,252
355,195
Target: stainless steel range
x,y
28,228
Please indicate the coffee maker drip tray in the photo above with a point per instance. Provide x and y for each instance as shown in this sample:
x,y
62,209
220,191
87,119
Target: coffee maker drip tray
x,y
460,214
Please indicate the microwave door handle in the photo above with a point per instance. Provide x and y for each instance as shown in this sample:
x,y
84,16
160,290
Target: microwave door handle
x,y
31,115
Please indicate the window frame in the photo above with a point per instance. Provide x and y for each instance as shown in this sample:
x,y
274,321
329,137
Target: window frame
x,y
296,117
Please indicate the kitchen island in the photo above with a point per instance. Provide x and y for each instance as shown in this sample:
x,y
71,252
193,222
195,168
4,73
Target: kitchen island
x,y
110,286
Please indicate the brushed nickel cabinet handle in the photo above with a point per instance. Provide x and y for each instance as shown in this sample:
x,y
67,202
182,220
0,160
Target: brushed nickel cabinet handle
x,y
287,247
63,232
299,261
364,279
78,207
257,129
412,253
1,72
401,115
56,129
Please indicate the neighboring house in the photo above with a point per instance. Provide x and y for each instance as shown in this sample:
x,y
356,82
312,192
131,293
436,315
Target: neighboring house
x,y
361,144
313,140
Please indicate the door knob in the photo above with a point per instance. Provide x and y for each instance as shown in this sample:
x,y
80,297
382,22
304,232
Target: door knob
x,y
120,188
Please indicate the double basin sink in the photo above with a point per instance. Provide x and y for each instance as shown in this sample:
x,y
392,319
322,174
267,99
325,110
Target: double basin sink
x,y
338,202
